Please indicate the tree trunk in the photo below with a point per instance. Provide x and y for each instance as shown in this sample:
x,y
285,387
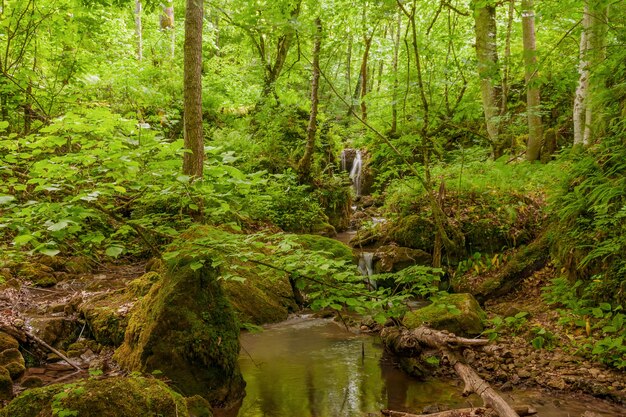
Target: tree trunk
x,y
138,30
396,83
489,72
368,43
582,90
194,133
507,58
305,162
533,103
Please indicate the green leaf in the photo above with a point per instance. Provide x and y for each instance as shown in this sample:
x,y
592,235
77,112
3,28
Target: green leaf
x,y
114,251
59,226
21,239
49,251
4,199
196,265
3,125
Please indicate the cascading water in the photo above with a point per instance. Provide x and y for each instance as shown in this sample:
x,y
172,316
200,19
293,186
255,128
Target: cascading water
x,y
355,173
366,268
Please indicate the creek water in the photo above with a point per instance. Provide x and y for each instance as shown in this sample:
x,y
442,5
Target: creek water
x,y
308,367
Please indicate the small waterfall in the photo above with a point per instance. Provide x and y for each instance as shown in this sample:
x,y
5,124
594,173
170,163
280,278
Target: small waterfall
x,y
366,268
355,173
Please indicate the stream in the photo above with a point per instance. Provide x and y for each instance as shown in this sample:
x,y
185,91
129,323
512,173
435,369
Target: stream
x,y
308,367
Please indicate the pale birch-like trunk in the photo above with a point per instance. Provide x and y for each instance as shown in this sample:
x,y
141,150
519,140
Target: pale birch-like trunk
x,y
138,30
489,72
581,133
533,101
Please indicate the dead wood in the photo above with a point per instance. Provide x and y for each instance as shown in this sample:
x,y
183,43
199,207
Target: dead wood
x,y
523,411
414,340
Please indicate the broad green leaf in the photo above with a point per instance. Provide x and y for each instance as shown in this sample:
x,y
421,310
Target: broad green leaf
x,y
59,226
196,265
49,251
4,199
114,251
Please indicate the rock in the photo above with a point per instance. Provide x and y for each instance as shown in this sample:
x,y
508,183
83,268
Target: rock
x,y
107,316
556,383
32,382
185,328
113,397
6,384
438,316
40,275
55,331
140,286
393,258
333,248
414,231
7,342
13,361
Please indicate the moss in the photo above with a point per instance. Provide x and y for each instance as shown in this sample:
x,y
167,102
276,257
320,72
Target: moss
x,y
185,328
334,247
438,315
107,316
140,286
6,384
40,275
12,360
7,342
56,331
114,397
414,231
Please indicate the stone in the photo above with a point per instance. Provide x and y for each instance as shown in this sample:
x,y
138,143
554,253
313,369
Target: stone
x,y
6,384
13,361
185,328
56,331
468,322
112,397
393,258
32,381
7,342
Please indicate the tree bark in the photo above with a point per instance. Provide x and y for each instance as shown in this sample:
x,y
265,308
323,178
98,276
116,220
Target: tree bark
x,y
582,90
363,75
522,410
533,101
445,342
138,30
194,133
305,162
396,83
489,72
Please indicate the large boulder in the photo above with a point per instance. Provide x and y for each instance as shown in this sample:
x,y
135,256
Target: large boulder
x,y
6,384
393,258
114,397
457,313
332,247
185,328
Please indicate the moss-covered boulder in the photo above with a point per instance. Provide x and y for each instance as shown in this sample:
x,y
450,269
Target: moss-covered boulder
x,y
336,249
107,314
114,397
7,342
6,385
393,258
13,361
457,313
56,331
39,274
186,329
415,231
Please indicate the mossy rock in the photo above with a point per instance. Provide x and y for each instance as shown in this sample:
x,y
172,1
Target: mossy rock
x,y
266,296
107,316
6,384
140,286
413,231
7,342
392,258
56,331
13,361
186,329
113,397
468,322
332,247
40,275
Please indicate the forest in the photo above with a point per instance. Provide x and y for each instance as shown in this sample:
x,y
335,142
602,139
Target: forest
x,y
272,208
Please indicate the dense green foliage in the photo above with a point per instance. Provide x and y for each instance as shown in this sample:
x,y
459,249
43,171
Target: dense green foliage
x,y
91,144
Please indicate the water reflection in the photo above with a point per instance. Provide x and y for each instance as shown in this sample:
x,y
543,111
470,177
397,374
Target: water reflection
x,y
314,368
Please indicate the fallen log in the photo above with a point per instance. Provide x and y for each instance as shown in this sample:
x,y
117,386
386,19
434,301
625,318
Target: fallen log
x,y
407,340
522,410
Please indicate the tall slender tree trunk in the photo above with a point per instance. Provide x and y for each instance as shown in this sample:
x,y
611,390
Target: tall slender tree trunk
x,y
364,77
582,90
489,72
396,82
138,30
194,133
307,158
533,101
507,59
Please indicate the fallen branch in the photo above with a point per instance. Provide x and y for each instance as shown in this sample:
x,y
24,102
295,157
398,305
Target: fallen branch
x,y
413,341
53,350
522,410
